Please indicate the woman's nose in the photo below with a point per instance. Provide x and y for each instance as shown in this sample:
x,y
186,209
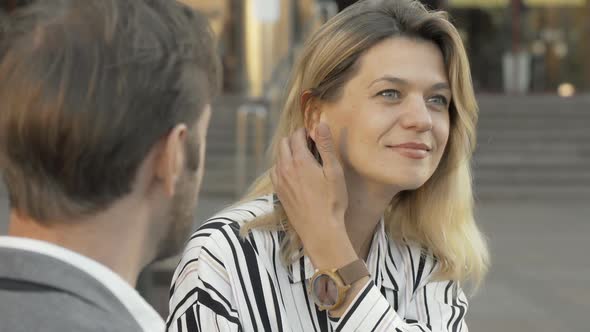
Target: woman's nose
x,y
416,115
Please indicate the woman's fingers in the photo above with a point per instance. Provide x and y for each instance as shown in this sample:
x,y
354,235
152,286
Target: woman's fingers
x,y
296,166
327,150
285,154
302,157
284,163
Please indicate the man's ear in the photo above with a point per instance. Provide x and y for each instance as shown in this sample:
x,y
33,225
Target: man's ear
x,y
171,159
311,111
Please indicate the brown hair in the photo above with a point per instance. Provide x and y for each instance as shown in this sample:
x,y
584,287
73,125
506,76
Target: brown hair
x,y
87,89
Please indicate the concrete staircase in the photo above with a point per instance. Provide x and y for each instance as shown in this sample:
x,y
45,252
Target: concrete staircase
x,y
532,147
220,165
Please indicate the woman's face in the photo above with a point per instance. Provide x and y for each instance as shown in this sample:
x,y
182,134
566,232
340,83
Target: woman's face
x,y
391,121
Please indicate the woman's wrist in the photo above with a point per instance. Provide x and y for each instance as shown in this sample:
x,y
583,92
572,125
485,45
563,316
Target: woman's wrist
x,y
331,250
350,296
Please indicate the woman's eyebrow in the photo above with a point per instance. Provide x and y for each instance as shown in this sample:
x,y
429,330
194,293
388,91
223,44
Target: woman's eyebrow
x,y
391,79
441,86
401,81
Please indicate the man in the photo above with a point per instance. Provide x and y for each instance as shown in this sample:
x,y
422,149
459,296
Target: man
x,y
104,113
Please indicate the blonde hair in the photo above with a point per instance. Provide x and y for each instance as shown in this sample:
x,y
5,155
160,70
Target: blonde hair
x,y
438,215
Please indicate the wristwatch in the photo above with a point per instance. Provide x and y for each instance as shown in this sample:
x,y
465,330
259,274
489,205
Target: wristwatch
x,y
328,288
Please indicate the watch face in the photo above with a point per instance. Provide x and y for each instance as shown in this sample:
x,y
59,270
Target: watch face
x,y
324,290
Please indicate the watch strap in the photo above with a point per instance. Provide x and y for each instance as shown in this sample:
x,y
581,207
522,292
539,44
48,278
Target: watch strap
x,y
353,272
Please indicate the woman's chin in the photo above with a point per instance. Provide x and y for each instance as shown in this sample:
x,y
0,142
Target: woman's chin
x,y
404,179
398,184
409,184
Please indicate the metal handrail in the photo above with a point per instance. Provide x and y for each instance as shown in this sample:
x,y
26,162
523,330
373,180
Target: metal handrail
x,y
259,111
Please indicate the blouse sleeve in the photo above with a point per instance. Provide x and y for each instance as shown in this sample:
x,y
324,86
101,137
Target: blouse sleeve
x,y
435,306
201,295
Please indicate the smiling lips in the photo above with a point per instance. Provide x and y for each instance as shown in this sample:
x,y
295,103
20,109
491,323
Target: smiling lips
x,y
412,150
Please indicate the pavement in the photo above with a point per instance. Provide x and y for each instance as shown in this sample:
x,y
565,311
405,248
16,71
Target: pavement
x,y
540,274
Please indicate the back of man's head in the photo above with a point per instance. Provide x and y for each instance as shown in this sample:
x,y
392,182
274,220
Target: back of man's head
x,y
87,88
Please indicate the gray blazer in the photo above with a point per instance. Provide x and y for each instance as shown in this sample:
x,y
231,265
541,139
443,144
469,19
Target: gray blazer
x,y
40,293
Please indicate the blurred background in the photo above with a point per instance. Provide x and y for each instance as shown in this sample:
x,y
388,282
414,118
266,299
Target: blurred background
x,y
530,61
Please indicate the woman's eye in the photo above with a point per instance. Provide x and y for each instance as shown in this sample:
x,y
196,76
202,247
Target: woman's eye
x,y
389,93
441,100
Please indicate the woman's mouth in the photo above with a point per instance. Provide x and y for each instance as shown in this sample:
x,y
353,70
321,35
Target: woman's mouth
x,y
412,150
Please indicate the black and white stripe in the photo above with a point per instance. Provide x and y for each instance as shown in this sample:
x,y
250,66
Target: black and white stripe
x,y
226,283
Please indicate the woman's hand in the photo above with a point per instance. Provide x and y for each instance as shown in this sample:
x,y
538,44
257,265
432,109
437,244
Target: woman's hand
x,y
314,197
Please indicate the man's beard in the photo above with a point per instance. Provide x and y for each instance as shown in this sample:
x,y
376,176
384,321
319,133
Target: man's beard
x,y
182,216
181,213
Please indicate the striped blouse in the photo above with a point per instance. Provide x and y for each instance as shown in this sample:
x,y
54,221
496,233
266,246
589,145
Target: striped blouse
x,y
225,283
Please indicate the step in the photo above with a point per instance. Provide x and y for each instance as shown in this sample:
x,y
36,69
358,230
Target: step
x,y
574,168
230,134
556,125
523,193
534,155
222,183
519,138
549,180
225,161
229,148
541,133
218,189
507,158
509,113
533,102
582,147
226,174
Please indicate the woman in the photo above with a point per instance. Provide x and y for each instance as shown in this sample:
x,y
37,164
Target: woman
x,y
376,232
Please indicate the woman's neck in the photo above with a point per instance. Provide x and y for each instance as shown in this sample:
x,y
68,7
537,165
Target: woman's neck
x,y
366,205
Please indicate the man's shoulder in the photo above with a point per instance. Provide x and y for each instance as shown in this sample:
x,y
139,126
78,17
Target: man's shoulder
x,y
28,306
40,292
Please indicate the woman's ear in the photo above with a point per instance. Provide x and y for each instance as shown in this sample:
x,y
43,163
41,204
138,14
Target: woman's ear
x,y
311,111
